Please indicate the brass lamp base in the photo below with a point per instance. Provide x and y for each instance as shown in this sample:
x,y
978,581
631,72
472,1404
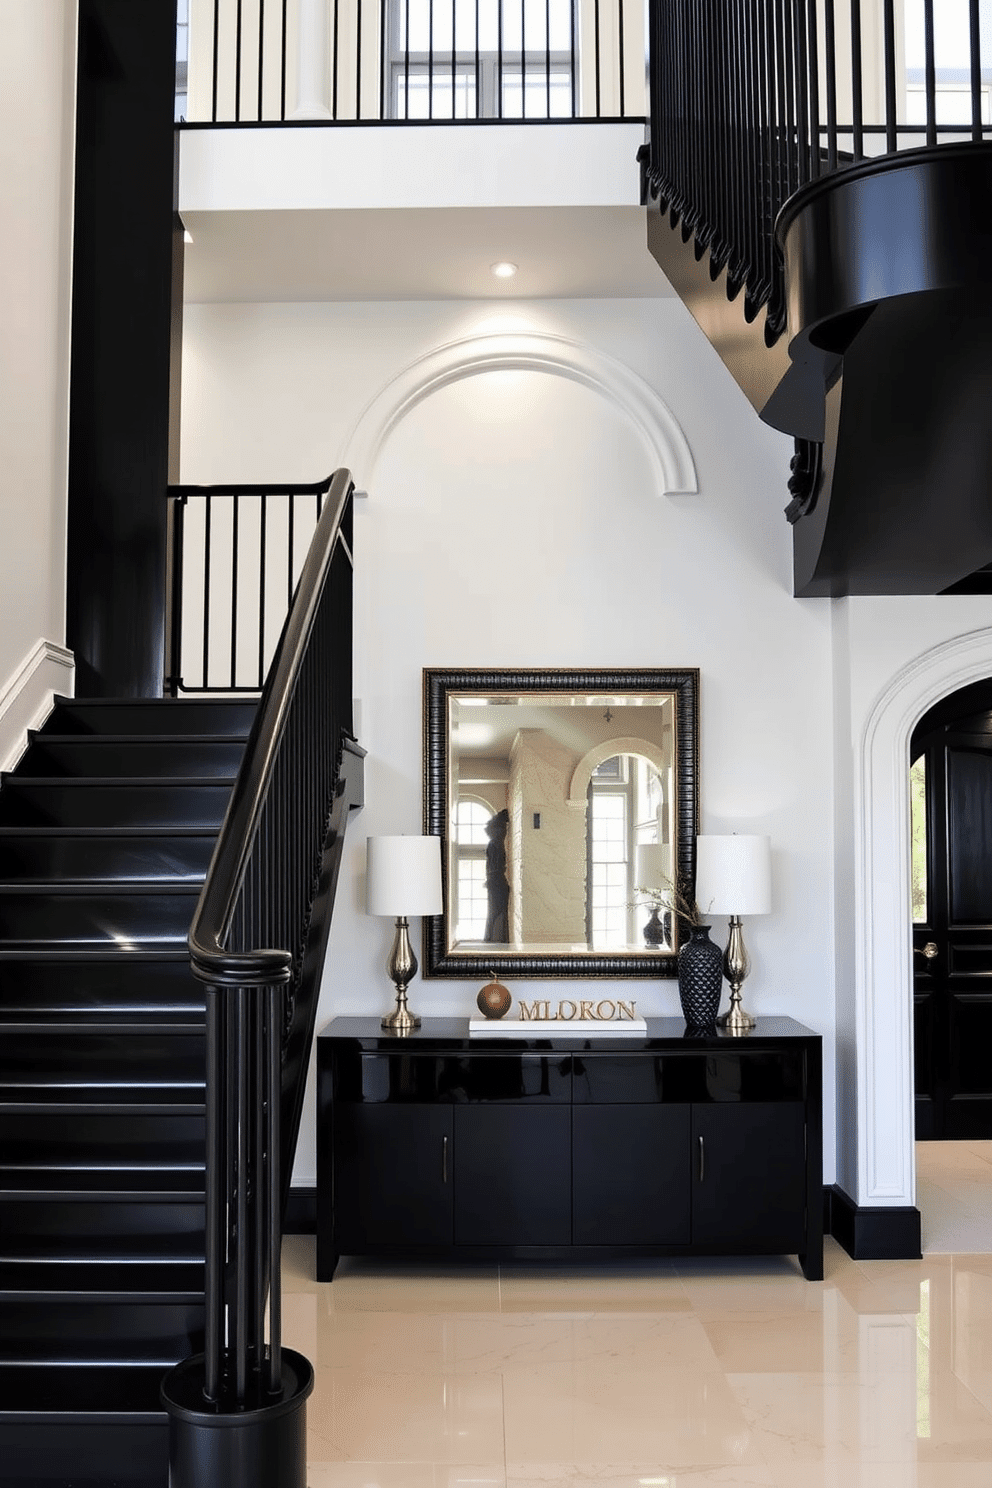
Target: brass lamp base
x,y
402,968
736,965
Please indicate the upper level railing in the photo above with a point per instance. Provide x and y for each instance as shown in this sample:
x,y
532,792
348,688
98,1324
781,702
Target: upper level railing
x,y
395,61
753,99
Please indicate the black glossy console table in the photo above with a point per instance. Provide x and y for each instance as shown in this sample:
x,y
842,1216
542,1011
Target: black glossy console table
x,y
438,1145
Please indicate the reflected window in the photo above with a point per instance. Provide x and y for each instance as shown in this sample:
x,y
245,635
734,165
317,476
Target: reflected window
x,y
918,824
471,818
479,59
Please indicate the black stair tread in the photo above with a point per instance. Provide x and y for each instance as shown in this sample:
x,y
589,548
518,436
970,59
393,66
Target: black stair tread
x,y
116,1181
109,953
31,1354
111,1277
70,949
112,739
39,884
122,782
159,1021
174,1099
112,1393
125,830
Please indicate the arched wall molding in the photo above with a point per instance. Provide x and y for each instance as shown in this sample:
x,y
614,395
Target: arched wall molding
x,y
652,419
582,774
883,979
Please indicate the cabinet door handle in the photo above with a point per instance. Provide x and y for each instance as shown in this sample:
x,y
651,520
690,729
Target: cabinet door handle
x,y
444,1159
702,1160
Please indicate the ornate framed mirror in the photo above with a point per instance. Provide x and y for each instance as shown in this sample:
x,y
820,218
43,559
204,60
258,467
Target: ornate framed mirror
x,y
558,796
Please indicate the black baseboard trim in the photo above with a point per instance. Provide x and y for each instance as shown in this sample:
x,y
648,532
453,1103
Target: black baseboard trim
x,y
873,1234
301,1212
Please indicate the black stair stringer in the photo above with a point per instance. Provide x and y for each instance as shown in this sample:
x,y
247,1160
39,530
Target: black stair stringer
x,y
105,833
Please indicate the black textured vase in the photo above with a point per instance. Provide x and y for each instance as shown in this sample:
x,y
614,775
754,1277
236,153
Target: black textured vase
x,y
700,978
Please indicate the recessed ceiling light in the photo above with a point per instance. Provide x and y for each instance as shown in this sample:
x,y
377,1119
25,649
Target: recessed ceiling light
x,y
503,270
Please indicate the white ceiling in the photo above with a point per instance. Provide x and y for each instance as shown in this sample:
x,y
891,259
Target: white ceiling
x,y
597,251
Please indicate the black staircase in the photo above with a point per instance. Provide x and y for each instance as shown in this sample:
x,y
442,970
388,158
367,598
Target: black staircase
x,y
106,829
148,1117
838,254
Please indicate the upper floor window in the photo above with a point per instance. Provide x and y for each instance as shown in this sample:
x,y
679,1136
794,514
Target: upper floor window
x,y
481,59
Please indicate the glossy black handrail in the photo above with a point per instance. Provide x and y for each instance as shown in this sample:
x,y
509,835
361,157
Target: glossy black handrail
x,y
745,110
262,884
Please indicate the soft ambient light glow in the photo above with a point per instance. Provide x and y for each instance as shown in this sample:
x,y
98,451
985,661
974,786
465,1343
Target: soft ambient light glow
x,y
503,269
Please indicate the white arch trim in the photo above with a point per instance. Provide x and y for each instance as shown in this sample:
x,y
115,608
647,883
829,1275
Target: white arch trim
x,y
659,430
582,774
883,1007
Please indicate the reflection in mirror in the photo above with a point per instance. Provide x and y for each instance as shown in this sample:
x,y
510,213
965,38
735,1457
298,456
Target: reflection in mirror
x,y
560,796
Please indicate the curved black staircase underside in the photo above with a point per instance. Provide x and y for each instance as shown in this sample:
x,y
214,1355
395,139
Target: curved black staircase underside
x,y
106,829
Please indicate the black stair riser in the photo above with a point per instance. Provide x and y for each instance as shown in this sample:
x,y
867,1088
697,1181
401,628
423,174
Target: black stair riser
x,y
152,716
84,804
45,914
101,855
30,1137
116,1279
120,1456
117,982
33,1331
50,1057
85,1227
113,759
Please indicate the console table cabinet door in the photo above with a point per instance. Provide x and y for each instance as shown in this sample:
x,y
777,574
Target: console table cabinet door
x,y
631,1175
512,1175
392,1176
749,1162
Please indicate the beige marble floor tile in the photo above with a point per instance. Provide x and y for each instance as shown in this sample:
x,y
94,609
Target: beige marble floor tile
x,y
404,1475
717,1285
469,1343
587,1413
842,1419
650,1286
836,1341
409,1417
370,1475
880,1475
643,1475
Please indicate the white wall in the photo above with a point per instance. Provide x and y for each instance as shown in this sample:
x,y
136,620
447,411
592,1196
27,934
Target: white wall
x,y
37,105
512,521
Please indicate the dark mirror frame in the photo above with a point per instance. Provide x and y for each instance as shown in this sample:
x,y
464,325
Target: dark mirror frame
x,y
683,683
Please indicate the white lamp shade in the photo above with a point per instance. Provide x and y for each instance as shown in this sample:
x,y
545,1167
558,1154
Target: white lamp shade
x,y
733,875
651,866
403,876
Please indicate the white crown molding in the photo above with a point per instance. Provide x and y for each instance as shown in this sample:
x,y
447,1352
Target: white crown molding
x,y
660,432
884,977
26,697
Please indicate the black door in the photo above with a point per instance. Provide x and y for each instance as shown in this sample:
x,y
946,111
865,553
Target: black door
x,y
630,1175
392,1179
952,918
513,1181
749,1187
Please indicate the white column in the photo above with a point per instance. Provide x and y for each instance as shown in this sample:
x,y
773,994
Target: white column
x,y
313,91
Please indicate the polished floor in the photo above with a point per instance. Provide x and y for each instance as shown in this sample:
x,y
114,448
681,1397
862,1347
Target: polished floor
x,y
954,1194
662,1375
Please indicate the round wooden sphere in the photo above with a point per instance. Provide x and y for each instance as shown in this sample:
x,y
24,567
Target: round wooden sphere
x,y
494,1000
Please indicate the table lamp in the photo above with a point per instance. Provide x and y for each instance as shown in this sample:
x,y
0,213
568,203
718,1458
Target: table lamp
x,y
733,877
403,878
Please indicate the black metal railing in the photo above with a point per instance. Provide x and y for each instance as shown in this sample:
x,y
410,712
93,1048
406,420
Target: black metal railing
x,y
253,934
237,553
753,99
278,61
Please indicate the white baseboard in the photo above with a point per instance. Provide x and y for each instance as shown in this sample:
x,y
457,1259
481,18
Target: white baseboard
x,y
26,697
